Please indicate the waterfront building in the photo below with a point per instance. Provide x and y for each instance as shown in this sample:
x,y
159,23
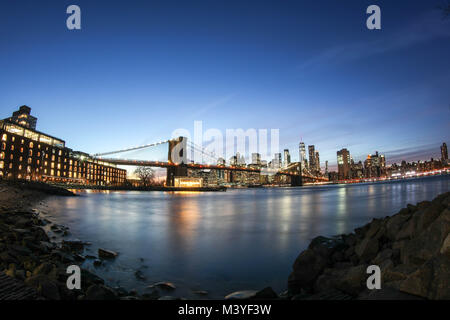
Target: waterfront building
x,y
188,182
343,160
374,165
23,117
26,153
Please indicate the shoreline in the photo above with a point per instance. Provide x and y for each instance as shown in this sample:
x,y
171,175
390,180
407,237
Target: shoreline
x,y
330,268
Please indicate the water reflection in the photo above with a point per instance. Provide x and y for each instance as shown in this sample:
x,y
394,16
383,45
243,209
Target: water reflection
x,y
221,242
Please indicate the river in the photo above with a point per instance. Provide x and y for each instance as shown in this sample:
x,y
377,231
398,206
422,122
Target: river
x,y
223,241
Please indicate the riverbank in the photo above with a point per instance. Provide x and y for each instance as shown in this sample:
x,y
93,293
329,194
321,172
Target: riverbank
x,y
31,257
411,248
407,246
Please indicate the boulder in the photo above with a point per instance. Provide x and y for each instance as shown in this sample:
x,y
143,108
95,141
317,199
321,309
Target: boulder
x,y
163,285
308,265
45,285
428,242
266,293
72,245
107,254
367,249
241,295
382,256
46,268
445,249
431,280
395,223
353,281
100,292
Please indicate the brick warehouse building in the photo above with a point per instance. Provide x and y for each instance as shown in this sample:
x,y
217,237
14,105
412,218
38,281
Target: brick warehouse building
x,y
32,155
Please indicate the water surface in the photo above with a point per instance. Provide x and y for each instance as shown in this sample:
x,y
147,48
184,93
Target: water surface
x,y
224,241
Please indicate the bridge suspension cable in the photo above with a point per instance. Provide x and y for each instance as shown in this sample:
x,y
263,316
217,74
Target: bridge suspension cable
x,y
203,151
130,149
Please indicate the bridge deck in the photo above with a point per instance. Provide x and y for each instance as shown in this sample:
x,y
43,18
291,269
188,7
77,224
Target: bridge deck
x,y
162,164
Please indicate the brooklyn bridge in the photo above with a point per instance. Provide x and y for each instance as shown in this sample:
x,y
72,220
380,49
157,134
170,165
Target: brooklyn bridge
x,y
178,163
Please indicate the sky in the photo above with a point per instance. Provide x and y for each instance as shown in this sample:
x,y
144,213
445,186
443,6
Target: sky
x,y
138,70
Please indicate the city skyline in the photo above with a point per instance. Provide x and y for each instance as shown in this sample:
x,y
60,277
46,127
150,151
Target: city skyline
x,y
112,84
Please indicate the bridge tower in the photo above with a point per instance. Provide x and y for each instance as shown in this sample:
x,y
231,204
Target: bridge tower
x,y
297,181
177,155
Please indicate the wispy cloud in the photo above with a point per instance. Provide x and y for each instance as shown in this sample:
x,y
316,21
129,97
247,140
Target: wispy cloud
x,y
427,27
214,104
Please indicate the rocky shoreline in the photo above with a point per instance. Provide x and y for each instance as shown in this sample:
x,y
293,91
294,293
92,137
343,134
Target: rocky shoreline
x,y
412,249
31,257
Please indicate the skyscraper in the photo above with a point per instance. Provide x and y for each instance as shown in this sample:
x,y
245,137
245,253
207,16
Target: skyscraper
x,y
317,161
312,157
287,158
256,158
302,154
276,162
444,152
343,160
326,167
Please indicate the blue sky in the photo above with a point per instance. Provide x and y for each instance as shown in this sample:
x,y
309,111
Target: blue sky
x,y
140,69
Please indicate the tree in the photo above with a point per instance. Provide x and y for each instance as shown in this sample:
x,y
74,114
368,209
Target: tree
x,y
145,174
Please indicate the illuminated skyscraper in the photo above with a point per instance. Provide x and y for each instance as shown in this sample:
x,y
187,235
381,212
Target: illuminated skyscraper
x,y
302,154
312,158
276,162
317,161
444,152
287,158
343,160
256,158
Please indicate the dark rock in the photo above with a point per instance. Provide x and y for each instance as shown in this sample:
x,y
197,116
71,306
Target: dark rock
x,y
97,263
353,280
163,285
367,249
100,292
308,265
266,293
73,245
139,275
431,280
88,279
45,286
46,268
107,254
382,256
241,295
427,243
